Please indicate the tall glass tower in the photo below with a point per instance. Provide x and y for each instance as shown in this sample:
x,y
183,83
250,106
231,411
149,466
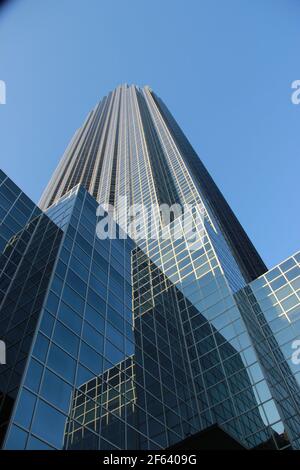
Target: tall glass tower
x,y
131,145
131,342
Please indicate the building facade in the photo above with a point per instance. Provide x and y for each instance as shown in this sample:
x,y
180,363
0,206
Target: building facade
x,y
138,342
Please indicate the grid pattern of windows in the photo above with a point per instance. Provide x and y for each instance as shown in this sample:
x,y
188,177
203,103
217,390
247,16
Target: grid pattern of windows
x,y
25,269
136,347
226,373
85,326
248,259
131,145
122,344
16,209
271,308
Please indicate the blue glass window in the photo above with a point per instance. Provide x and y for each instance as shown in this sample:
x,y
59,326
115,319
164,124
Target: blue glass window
x,y
66,339
76,283
293,273
115,318
52,302
289,263
34,374
279,282
61,269
47,323
79,268
113,354
49,424
25,408
94,317
56,391
62,363
69,317
57,285
41,347
90,359
115,336
92,337
95,300
73,299
16,439
36,444
83,375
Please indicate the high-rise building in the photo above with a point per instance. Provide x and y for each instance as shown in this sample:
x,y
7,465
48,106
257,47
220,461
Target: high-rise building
x,y
141,342
130,145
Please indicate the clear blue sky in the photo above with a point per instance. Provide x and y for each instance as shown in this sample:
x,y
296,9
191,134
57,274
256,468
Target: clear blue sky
x,y
224,68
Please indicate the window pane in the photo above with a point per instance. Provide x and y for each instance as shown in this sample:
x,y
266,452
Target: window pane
x,y
65,338
17,439
56,391
36,444
25,408
33,376
49,424
62,363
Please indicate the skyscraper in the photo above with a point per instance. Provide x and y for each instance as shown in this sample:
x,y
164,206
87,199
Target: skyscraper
x,y
131,145
141,342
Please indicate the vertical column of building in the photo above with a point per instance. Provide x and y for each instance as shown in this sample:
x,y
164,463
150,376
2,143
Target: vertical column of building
x,y
190,195
109,151
103,133
122,197
181,177
142,184
78,173
186,191
92,146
